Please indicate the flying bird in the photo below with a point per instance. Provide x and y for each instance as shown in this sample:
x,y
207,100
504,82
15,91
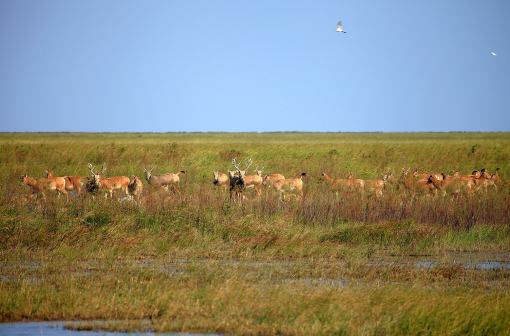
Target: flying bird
x,y
493,54
339,29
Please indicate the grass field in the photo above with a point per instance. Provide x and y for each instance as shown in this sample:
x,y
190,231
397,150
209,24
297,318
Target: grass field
x,y
320,265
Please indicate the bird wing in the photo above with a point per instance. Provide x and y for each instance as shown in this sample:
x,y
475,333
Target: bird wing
x,y
340,24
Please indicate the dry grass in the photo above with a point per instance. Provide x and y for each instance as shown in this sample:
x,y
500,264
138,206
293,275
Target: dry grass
x,y
321,265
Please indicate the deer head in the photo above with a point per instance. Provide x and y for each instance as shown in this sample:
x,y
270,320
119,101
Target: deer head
x,y
242,173
216,176
97,176
148,174
259,172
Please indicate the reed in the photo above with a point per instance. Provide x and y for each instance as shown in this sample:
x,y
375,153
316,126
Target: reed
x,y
322,264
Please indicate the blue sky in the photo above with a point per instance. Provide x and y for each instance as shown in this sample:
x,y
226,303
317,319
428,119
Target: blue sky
x,y
254,66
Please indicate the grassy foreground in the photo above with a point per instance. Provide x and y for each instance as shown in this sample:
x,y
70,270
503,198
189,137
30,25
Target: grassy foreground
x,y
323,265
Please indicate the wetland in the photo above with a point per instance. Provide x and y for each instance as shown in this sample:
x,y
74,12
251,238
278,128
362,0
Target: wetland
x,y
323,264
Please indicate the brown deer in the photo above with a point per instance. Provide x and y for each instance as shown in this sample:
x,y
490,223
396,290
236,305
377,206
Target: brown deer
x,y
269,180
420,176
73,183
42,185
254,181
289,185
483,180
474,175
109,184
348,183
358,183
135,188
259,171
424,176
477,179
391,180
494,180
454,186
414,184
166,180
220,180
376,185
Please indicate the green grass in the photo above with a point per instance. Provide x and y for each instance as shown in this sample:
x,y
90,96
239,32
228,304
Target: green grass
x,y
322,265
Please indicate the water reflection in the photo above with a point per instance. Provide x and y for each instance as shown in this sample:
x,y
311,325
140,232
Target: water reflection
x,y
56,329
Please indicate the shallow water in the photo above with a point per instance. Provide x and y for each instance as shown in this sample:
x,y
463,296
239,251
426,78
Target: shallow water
x,y
56,329
474,260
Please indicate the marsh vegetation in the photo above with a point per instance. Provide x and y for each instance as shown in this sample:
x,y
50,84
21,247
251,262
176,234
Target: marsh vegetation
x,y
325,263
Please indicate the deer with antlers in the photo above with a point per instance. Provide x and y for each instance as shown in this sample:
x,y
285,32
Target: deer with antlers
x,y
237,183
169,180
109,184
42,185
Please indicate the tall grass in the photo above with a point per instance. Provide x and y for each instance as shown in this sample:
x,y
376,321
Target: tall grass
x,y
323,264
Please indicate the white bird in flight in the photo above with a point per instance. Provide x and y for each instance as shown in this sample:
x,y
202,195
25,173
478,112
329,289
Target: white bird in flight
x,y
339,29
493,54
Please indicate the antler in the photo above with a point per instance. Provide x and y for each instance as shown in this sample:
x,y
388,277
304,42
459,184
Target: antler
x,y
153,165
91,168
248,164
261,169
103,168
234,163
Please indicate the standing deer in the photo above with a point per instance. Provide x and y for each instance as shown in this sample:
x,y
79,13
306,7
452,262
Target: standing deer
x,y
454,186
376,185
495,180
254,181
424,176
73,183
357,183
269,180
166,180
414,183
220,180
135,187
348,183
483,180
40,186
237,181
292,184
109,184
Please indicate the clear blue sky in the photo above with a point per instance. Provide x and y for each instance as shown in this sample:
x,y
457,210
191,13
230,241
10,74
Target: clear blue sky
x,y
254,66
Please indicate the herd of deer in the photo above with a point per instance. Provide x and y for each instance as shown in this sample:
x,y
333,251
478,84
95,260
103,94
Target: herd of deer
x,y
131,188
429,184
237,181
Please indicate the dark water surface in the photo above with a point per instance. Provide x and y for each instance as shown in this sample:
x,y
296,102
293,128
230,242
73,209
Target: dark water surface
x,y
56,329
